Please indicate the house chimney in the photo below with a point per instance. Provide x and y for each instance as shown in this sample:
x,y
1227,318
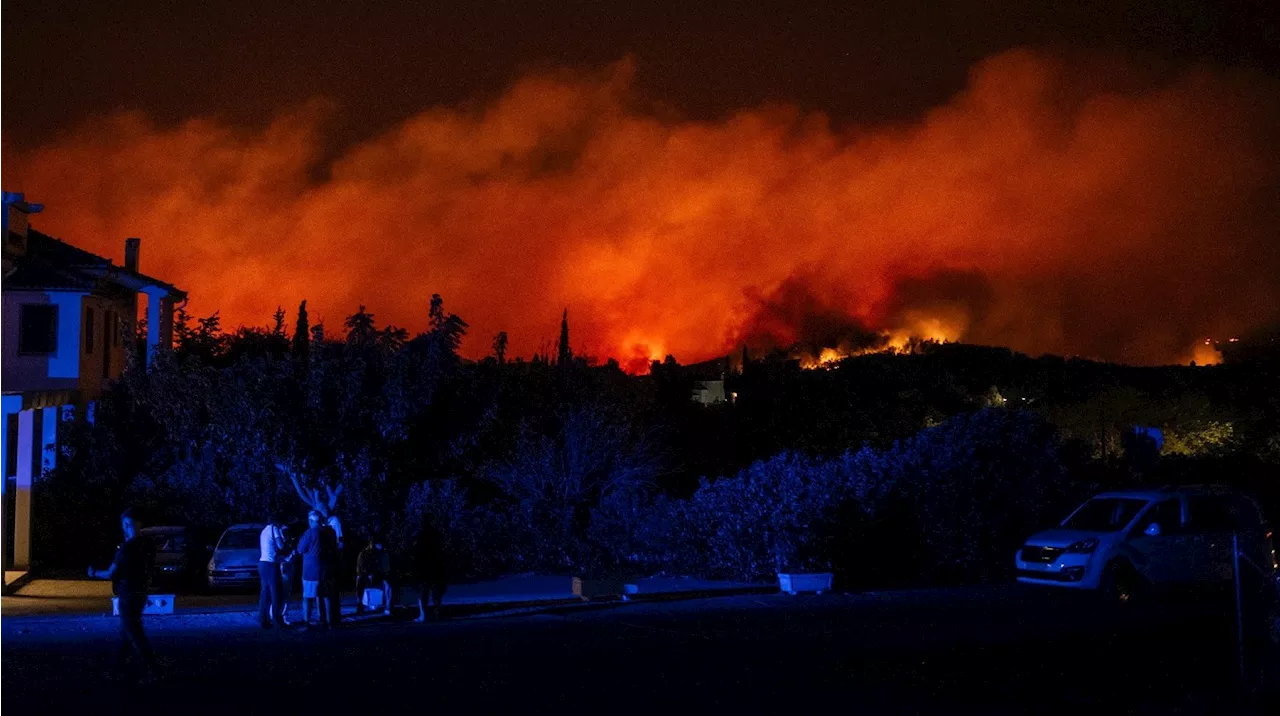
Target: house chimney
x,y
16,219
131,248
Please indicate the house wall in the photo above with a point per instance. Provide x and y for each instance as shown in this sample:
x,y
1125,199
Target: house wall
x,y
72,366
90,366
106,361
57,371
708,392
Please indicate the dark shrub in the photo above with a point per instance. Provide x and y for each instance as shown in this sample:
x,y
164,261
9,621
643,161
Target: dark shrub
x,y
960,497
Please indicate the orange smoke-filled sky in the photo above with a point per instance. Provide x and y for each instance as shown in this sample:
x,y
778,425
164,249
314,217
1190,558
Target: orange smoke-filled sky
x,y
1072,206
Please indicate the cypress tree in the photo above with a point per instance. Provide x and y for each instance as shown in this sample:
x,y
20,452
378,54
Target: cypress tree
x,y
302,334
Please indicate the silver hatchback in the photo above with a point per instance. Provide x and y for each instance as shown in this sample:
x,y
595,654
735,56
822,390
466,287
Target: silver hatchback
x,y
235,559
1121,541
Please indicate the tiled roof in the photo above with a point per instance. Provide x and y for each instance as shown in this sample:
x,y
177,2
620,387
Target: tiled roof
x,y
50,263
58,252
35,274
713,369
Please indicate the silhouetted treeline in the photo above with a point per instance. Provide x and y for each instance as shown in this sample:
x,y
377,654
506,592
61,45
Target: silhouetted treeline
x,y
555,464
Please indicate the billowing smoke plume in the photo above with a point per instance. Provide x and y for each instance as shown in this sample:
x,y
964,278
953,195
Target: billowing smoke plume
x,y
804,317
1050,206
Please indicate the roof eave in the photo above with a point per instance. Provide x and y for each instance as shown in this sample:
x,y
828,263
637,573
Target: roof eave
x,y
136,281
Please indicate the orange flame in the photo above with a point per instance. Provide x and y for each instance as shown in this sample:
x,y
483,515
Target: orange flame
x,y
1205,353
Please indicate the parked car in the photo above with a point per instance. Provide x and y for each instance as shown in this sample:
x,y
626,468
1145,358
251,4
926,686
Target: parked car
x,y
235,559
181,554
1123,542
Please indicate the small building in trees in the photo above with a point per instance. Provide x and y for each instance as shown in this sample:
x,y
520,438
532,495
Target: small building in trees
x,y
69,321
709,381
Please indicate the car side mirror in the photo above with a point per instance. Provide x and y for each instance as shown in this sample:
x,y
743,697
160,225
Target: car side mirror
x,y
1152,530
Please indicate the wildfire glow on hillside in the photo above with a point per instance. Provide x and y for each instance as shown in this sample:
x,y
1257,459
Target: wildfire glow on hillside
x,y
1206,354
1077,207
894,342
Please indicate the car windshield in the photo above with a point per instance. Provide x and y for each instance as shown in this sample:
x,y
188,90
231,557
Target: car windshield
x,y
170,542
239,539
1105,514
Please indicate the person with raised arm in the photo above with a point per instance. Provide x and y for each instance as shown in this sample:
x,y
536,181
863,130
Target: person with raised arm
x,y
130,573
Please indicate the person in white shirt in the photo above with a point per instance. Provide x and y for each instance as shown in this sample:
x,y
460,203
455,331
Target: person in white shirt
x,y
270,596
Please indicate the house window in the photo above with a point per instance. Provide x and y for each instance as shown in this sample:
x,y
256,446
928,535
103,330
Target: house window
x,y
37,329
88,330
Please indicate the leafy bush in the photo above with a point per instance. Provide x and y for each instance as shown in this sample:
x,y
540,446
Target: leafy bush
x,y
442,507
554,484
777,515
951,503
967,492
1210,437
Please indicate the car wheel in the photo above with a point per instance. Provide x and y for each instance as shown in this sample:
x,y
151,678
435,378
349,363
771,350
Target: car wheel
x,y
1120,583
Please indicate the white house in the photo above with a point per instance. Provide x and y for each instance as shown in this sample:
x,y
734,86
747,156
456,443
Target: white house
x,y
68,319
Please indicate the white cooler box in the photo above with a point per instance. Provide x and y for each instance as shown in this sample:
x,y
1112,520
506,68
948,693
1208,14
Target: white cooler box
x,y
156,604
372,598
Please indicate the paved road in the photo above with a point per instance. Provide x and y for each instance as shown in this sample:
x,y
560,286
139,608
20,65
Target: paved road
x,y
44,598
52,597
980,650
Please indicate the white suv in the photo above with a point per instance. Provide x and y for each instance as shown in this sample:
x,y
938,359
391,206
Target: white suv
x,y
1119,542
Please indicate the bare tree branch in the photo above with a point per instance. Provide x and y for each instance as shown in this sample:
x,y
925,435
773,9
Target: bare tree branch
x,y
333,495
311,498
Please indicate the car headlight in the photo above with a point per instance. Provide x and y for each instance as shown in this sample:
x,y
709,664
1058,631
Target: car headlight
x,y
1084,546
170,568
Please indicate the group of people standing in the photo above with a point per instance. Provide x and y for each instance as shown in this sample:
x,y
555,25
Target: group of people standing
x,y
320,550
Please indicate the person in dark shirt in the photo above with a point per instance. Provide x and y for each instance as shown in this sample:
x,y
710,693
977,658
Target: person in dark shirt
x,y
317,547
430,569
373,569
130,572
331,571
288,572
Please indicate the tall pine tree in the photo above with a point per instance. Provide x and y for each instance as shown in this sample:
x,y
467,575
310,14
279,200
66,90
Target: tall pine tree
x,y
182,333
302,334
564,357
277,325
444,332
362,332
500,347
